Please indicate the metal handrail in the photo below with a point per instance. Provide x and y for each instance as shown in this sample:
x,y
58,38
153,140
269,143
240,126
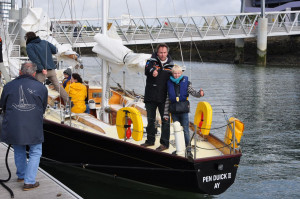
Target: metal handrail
x,y
144,30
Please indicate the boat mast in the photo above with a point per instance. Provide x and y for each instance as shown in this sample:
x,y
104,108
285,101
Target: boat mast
x,y
104,101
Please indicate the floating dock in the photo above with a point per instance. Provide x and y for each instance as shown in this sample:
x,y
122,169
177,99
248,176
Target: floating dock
x,y
49,186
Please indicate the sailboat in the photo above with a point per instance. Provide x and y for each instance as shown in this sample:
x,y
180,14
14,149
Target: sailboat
x,y
104,141
23,103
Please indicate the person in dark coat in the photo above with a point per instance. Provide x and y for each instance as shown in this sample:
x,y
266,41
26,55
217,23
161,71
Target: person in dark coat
x,y
24,101
158,71
40,52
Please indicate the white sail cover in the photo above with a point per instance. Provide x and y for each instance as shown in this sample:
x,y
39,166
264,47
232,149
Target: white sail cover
x,y
118,56
37,21
11,64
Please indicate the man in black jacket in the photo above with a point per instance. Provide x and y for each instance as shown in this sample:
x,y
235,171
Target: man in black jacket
x,y
24,101
158,71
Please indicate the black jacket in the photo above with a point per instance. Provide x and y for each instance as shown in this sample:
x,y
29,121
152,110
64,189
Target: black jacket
x,y
24,101
156,87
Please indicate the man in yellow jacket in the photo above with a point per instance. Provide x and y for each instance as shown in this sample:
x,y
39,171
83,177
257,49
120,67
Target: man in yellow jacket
x,y
78,92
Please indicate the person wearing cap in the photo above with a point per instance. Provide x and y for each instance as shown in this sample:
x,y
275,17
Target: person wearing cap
x,y
179,88
40,52
67,75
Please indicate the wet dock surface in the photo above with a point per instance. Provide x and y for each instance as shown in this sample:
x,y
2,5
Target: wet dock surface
x,y
49,187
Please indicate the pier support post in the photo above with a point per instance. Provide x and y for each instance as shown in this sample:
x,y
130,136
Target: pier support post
x,y
239,51
262,41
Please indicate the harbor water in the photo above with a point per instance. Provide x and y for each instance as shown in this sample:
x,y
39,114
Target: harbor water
x,y
266,99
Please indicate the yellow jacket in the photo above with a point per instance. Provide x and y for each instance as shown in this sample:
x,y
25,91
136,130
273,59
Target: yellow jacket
x,y
77,91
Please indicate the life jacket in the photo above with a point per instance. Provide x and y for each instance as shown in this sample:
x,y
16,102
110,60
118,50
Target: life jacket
x,y
66,81
183,90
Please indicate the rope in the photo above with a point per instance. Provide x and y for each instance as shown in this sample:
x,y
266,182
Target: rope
x,y
104,149
9,175
118,167
226,145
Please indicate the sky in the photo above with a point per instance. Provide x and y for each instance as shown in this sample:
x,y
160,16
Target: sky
x,y
147,8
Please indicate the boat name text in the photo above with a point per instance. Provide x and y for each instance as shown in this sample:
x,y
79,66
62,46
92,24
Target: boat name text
x,y
223,176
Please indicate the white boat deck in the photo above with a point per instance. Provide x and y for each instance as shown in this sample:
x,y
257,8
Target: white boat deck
x,y
89,123
111,131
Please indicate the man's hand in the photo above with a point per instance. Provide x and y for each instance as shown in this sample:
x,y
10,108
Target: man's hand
x,y
44,71
155,73
201,92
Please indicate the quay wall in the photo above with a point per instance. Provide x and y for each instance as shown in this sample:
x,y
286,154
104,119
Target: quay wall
x,y
283,50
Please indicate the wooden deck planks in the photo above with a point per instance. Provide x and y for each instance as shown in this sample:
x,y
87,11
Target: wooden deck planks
x,y
49,187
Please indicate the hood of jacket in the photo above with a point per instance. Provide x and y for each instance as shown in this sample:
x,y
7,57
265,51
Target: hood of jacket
x,y
33,40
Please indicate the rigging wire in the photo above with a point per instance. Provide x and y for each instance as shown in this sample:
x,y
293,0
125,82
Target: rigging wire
x,y
146,24
63,10
142,76
98,13
82,9
178,38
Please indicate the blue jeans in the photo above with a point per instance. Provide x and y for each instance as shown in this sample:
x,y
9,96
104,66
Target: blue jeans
x,y
183,119
27,170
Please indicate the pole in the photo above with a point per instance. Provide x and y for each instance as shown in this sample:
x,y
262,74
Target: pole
x,y
233,137
262,6
104,101
195,141
262,37
13,4
124,82
242,6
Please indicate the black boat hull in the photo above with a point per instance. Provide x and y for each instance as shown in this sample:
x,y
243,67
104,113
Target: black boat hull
x,y
106,155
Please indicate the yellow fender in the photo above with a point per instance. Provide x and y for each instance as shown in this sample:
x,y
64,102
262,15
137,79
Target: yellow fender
x,y
203,115
135,116
238,130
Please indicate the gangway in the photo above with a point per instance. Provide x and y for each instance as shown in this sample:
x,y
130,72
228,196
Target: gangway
x,y
168,29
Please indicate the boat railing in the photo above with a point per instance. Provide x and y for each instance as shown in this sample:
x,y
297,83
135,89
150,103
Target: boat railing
x,y
225,148
233,135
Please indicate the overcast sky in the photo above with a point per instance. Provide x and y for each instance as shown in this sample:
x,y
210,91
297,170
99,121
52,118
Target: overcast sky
x,y
92,8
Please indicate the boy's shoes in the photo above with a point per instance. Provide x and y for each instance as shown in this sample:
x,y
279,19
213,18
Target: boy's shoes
x,y
28,187
189,156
